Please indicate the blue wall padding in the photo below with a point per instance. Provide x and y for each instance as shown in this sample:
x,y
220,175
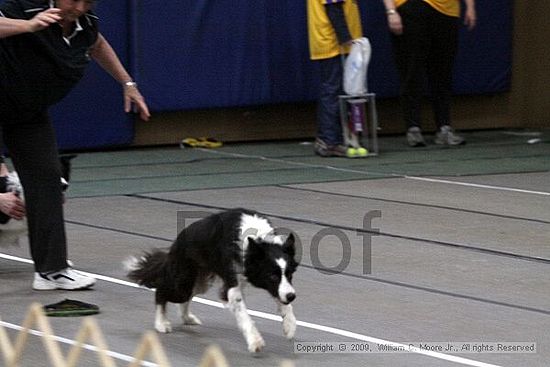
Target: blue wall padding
x,y
192,54
200,54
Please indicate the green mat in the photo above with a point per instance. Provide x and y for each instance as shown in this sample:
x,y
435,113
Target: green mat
x,y
70,308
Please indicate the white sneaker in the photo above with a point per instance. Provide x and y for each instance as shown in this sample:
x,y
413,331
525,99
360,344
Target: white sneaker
x,y
67,279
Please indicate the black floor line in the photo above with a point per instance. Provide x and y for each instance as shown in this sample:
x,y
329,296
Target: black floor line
x,y
111,229
226,188
387,176
462,210
350,275
361,230
202,174
433,290
145,164
365,173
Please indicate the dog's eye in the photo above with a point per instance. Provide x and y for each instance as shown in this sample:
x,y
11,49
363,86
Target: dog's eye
x,y
274,277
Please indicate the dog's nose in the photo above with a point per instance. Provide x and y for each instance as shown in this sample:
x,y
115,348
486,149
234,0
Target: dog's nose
x,y
290,297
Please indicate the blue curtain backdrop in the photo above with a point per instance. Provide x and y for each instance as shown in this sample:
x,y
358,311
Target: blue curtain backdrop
x,y
191,54
196,54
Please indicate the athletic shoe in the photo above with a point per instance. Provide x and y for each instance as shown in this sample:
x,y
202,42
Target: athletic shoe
x,y
324,150
67,279
446,136
415,138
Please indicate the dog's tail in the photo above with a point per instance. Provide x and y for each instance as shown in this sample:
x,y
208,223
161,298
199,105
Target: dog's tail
x,y
147,270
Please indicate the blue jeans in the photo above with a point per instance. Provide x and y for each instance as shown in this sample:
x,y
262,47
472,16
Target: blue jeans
x,y
328,110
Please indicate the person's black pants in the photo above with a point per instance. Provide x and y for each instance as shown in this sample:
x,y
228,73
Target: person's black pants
x,y
329,128
427,48
32,147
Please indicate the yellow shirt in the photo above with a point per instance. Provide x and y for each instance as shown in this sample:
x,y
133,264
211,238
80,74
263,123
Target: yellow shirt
x,y
323,43
447,7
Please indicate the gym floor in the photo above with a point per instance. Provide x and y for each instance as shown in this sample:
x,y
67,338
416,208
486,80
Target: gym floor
x,y
432,245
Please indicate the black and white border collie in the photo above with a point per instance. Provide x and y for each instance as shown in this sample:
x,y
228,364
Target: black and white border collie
x,y
237,246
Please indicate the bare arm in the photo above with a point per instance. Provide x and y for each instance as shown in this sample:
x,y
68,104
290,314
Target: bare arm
x,y
470,16
394,19
11,27
106,57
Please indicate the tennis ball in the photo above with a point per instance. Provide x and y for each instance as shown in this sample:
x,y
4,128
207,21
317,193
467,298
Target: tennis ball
x,y
362,152
351,152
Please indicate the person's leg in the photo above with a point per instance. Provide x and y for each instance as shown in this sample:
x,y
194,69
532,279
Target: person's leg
x,y
410,53
440,71
329,142
444,33
329,128
33,150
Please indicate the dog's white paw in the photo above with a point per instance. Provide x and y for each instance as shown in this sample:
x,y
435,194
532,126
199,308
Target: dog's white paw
x,y
163,327
191,319
289,325
256,345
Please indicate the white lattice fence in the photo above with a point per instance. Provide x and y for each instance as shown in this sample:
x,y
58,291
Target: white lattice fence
x,y
90,332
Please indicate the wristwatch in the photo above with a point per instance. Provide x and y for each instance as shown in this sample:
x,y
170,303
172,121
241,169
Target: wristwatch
x,y
130,84
391,12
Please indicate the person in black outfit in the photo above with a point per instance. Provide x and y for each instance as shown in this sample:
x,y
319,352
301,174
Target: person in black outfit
x,y
45,46
425,40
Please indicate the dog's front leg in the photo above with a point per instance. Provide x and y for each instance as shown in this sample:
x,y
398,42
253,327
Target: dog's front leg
x,y
289,320
235,303
162,325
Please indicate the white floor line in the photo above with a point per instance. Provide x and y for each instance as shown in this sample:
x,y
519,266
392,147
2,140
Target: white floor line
x,y
363,172
268,316
292,163
481,186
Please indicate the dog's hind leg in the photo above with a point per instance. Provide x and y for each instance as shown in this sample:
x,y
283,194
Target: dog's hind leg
x,y
187,317
289,320
193,283
162,325
235,303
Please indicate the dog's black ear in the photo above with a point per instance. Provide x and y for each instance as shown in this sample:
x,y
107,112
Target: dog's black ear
x,y
289,246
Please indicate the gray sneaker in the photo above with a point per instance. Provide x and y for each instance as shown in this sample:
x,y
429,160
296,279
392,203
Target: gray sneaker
x,y
415,138
447,136
324,150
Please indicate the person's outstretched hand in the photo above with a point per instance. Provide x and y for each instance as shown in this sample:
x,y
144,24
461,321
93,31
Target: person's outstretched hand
x,y
470,18
132,95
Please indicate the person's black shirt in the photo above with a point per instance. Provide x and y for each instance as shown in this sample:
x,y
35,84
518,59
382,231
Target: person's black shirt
x,y
39,69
